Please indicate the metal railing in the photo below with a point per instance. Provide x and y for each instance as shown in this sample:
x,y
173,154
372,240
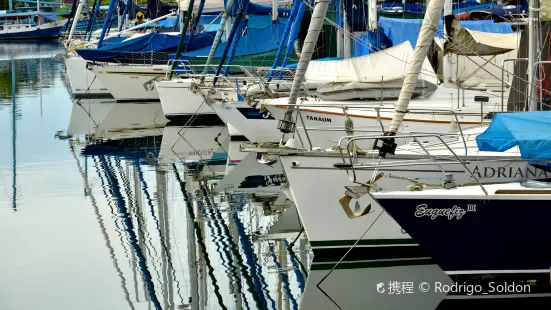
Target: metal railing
x,y
379,119
351,165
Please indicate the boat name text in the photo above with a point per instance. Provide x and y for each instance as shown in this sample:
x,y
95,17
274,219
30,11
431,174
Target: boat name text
x,y
509,172
451,213
318,119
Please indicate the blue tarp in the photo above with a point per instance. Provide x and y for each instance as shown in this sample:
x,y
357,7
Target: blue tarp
x,y
254,41
401,30
531,131
501,11
168,22
416,8
151,42
255,21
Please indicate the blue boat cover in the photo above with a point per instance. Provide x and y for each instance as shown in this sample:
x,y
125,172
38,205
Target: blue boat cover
x,y
254,41
416,8
531,131
151,42
400,30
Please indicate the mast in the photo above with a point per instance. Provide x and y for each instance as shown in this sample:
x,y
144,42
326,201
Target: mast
x,y
293,36
107,23
192,262
219,33
426,35
11,5
533,21
372,15
124,14
447,61
182,37
347,43
75,20
235,26
314,30
286,32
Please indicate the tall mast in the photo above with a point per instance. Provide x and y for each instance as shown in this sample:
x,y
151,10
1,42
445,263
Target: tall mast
x,y
533,21
426,35
219,33
447,61
75,21
314,29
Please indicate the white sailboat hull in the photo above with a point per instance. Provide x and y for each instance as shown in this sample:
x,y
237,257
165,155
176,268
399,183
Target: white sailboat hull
x,y
81,80
248,121
130,83
317,187
179,101
194,145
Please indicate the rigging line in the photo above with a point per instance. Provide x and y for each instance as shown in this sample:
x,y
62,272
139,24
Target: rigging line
x,y
234,256
115,218
283,277
102,228
152,211
303,272
161,236
343,257
129,227
130,206
149,244
82,97
199,237
257,296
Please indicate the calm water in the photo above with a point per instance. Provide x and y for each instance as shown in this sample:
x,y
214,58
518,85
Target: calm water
x,y
106,225
102,206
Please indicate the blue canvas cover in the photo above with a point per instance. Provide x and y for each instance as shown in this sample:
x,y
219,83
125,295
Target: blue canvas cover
x,y
151,42
400,30
531,131
417,8
254,41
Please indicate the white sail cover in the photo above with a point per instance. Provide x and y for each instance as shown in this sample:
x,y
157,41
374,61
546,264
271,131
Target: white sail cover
x,y
387,65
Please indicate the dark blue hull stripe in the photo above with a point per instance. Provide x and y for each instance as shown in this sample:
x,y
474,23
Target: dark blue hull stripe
x,y
470,235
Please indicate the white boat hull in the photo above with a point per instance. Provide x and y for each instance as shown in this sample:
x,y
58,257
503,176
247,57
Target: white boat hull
x,y
317,188
246,175
83,81
248,121
130,83
179,102
195,145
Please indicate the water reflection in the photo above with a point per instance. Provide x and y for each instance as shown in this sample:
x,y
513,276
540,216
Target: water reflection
x,y
117,209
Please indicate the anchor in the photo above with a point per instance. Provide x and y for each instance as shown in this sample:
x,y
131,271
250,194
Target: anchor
x,y
356,192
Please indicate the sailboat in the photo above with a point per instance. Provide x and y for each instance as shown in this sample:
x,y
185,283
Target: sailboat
x,y
482,230
342,216
22,23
